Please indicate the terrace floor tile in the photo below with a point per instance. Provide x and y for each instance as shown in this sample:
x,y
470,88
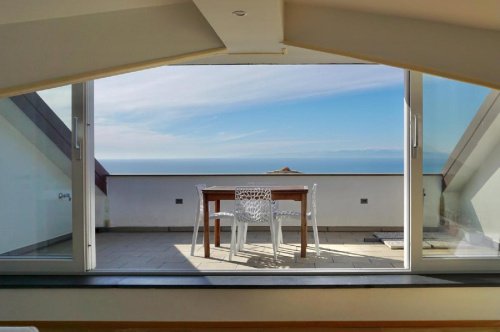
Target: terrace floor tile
x,y
171,251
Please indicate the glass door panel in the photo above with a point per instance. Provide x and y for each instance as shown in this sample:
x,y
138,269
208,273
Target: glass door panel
x,y
461,169
42,181
36,191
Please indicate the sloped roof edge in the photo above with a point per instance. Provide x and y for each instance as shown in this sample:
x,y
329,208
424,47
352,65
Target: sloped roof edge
x,y
35,108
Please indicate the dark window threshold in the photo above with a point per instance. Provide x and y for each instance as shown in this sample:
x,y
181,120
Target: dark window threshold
x,y
250,282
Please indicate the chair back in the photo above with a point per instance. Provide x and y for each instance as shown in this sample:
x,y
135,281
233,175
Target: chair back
x,y
199,188
275,204
253,204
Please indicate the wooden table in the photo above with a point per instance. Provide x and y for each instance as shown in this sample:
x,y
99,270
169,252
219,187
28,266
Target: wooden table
x,y
278,193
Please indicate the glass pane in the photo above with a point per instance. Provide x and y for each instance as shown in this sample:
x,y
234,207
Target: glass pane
x,y
35,168
461,159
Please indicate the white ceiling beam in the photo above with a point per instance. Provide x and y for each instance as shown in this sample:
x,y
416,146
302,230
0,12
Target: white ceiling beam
x,y
260,31
475,14
35,10
46,53
458,52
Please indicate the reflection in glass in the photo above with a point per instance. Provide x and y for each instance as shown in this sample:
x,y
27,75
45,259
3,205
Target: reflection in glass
x,y
35,172
461,160
59,101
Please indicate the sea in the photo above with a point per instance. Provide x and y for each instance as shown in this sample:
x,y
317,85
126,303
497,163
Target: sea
x,y
258,166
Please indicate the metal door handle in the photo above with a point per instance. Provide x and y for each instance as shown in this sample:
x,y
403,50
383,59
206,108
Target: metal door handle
x,y
415,131
76,142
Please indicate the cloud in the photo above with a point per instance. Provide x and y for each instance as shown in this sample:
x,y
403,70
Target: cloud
x,y
137,115
130,142
123,141
227,137
178,92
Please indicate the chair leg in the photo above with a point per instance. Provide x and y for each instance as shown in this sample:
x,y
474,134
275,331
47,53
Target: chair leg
x,y
277,235
242,235
239,237
316,236
280,234
245,232
273,239
233,241
195,233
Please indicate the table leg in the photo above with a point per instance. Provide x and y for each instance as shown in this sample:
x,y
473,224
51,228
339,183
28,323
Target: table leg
x,y
217,225
206,227
303,226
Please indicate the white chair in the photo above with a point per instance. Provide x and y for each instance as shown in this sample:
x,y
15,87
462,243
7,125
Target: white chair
x,y
252,205
311,215
274,207
199,215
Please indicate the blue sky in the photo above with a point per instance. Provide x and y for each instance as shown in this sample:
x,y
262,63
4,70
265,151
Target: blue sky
x,y
449,107
249,111
269,111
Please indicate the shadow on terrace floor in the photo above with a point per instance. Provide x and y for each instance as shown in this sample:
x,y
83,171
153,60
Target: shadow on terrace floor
x,y
170,251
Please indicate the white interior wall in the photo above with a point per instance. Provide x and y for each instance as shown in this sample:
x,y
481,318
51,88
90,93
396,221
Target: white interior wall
x,y
30,209
432,199
479,198
471,196
149,201
32,212
255,305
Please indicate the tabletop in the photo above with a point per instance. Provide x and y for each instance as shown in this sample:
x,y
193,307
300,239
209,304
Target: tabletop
x,y
300,189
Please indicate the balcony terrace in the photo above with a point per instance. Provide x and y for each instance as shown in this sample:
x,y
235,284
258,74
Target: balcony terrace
x,y
139,226
145,222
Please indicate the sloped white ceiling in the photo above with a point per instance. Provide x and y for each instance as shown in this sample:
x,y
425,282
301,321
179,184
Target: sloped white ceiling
x,y
482,14
455,51
54,42
49,52
34,10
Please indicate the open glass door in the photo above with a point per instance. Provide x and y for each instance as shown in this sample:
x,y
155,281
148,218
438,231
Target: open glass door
x,y
456,226
43,170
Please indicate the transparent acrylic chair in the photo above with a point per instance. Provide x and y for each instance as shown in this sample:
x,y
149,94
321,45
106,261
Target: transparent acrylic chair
x,y
199,215
311,215
253,205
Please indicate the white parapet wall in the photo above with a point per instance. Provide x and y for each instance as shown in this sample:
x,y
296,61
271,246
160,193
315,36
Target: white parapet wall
x,y
480,196
150,201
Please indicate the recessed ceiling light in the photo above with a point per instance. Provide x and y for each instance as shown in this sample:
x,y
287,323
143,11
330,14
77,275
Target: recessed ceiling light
x,y
240,13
